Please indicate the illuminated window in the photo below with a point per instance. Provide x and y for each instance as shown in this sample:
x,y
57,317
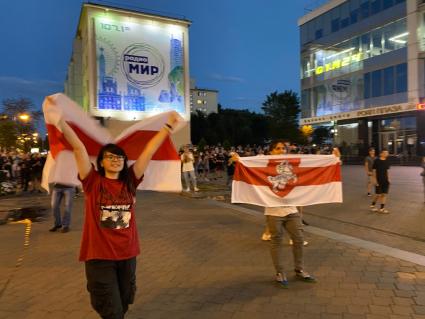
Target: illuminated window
x,y
199,101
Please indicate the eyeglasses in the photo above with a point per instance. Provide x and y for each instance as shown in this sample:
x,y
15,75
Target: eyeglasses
x,y
111,157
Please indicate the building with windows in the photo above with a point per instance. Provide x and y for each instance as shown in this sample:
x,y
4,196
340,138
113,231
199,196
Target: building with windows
x,y
204,100
362,74
128,65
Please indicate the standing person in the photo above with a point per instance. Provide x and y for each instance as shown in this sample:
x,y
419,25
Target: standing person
x,y
62,192
110,242
188,169
382,181
230,167
286,218
368,165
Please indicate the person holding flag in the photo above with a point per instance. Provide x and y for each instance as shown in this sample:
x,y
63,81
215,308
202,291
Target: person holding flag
x,y
280,183
110,242
286,218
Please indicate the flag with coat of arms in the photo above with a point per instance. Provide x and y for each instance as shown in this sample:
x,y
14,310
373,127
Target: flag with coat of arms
x,y
287,180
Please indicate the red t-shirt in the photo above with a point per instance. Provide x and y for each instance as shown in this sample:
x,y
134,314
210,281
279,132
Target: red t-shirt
x,y
110,230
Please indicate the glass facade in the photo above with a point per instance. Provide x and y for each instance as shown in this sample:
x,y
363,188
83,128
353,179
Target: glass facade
x,y
342,16
347,56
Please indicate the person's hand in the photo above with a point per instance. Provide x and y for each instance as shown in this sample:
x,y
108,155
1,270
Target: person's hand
x,y
336,152
172,120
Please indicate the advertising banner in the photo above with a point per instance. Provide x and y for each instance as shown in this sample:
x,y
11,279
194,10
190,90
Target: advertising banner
x,y
140,67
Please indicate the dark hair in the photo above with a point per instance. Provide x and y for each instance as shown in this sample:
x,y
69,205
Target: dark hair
x,y
384,150
274,143
371,149
124,175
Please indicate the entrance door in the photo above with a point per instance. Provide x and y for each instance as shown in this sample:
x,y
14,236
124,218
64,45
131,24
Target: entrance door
x,y
388,140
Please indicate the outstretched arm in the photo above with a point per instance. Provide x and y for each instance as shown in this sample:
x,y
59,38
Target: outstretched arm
x,y
150,149
80,152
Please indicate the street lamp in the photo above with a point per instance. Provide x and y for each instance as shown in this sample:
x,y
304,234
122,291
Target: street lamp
x,y
24,117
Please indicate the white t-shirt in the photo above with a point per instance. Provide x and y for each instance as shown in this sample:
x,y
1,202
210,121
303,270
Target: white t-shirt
x,y
281,211
188,166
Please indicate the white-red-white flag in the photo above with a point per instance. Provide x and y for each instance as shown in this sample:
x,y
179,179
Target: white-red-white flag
x,y
287,180
162,173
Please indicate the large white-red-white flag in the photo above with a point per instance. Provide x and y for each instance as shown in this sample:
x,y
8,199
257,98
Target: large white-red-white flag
x,y
287,180
162,173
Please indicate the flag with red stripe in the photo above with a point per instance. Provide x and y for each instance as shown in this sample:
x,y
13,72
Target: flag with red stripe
x,y
287,180
162,173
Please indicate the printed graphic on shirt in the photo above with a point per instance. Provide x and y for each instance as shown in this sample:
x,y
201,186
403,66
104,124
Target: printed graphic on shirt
x,y
115,216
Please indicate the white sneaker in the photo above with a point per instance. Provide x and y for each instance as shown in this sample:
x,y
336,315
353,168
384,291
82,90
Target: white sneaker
x,y
187,190
373,208
291,242
384,211
196,189
266,237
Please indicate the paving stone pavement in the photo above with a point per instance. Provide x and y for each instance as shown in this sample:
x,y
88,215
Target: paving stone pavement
x,y
201,260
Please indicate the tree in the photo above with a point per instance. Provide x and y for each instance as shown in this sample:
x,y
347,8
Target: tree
x,y
321,134
18,121
8,134
283,109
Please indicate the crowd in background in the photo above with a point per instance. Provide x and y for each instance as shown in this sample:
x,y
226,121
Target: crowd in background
x,y
20,172
214,162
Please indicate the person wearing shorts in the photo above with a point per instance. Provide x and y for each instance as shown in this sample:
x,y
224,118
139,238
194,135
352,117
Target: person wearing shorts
x,y
382,182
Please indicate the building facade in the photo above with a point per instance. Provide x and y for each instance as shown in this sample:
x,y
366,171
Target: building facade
x,y
129,65
204,100
363,74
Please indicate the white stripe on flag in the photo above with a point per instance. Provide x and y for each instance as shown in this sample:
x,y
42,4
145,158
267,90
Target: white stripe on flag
x,y
299,196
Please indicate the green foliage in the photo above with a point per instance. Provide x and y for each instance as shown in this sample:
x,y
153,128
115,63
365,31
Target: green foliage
x,y
12,127
241,127
321,134
8,134
201,144
227,145
283,110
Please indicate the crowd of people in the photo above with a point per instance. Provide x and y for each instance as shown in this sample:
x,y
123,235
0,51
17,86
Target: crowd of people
x,y
212,162
20,172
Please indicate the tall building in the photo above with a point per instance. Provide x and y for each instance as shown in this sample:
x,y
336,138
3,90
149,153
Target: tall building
x,y
204,100
363,74
128,65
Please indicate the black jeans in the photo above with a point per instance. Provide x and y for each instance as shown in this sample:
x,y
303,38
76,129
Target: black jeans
x,y
112,286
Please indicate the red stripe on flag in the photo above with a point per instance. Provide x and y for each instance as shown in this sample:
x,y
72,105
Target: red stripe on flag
x,y
132,144
58,142
305,175
136,142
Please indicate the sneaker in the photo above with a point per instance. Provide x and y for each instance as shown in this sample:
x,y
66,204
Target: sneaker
x,y
369,195
187,190
384,211
65,229
305,243
282,280
196,189
266,237
55,228
373,208
304,276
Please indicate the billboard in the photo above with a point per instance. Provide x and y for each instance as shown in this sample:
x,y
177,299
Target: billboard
x,y
140,67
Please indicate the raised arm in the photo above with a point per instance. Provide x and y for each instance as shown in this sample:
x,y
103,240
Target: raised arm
x,y
150,149
80,152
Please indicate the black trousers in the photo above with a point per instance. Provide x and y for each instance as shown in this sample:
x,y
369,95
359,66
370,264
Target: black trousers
x,y
112,286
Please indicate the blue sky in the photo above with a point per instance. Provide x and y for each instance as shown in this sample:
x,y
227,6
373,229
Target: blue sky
x,y
245,49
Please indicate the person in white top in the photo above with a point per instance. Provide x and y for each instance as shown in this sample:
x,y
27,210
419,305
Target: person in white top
x,y
188,169
286,218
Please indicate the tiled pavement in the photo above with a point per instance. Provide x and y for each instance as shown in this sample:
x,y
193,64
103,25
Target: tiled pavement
x,y
201,260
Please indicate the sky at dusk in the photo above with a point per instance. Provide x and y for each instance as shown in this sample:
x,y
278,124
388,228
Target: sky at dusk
x,y
245,49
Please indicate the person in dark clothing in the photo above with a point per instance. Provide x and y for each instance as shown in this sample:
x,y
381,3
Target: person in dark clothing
x,y
382,181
